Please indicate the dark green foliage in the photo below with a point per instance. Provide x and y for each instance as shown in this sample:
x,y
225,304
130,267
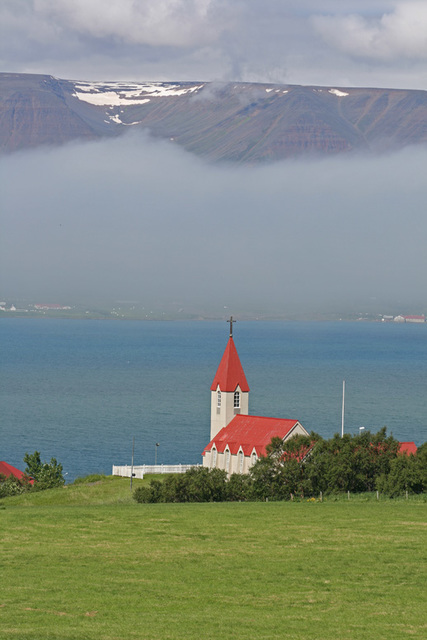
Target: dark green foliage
x,y
46,474
421,459
303,467
405,475
198,484
351,463
280,475
239,488
11,486
150,494
308,466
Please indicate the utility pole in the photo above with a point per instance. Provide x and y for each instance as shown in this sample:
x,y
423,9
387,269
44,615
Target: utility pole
x,y
131,468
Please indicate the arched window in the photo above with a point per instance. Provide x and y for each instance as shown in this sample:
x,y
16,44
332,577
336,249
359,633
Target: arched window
x,y
218,398
254,457
213,465
241,458
237,399
227,460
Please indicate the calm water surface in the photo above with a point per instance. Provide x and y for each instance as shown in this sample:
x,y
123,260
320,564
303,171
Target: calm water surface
x,y
80,390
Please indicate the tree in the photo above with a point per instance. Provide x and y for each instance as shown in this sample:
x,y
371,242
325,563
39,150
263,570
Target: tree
x,y
404,475
351,463
281,473
421,461
46,474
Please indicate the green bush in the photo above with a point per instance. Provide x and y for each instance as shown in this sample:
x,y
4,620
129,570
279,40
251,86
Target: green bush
x,y
239,488
46,474
11,486
307,466
405,475
198,484
150,494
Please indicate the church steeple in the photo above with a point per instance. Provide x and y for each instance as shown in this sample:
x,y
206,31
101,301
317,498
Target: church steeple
x,y
229,389
230,372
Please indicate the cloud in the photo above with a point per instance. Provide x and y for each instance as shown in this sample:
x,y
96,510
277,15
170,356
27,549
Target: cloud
x,y
136,219
171,23
342,43
401,33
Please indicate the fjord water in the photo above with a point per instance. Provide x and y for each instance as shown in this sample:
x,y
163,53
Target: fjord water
x,y
80,390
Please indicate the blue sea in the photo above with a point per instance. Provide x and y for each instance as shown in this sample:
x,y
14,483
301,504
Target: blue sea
x,y
81,390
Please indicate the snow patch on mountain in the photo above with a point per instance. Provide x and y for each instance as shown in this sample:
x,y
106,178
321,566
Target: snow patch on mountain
x,y
116,94
337,92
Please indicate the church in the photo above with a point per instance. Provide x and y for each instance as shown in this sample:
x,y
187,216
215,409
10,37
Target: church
x,y
238,439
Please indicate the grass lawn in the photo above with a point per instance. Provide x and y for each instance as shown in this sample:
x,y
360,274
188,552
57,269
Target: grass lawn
x,y
86,563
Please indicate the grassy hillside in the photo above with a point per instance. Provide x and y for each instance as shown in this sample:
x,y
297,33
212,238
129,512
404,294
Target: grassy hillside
x,y
87,562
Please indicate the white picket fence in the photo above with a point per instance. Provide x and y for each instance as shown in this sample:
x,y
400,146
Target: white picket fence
x,y
139,470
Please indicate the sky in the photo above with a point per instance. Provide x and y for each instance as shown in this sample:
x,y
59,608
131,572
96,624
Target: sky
x,y
379,43
138,219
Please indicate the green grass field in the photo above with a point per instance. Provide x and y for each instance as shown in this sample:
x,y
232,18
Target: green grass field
x,y
86,562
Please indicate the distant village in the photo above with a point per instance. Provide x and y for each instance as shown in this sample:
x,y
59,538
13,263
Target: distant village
x,y
136,311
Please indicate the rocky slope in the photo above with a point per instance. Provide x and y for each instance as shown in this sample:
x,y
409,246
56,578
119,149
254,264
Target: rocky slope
x,y
238,122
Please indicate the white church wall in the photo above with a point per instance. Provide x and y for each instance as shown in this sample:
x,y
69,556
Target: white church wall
x,y
222,415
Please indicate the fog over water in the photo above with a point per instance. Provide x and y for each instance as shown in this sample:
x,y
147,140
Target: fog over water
x,y
137,219
133,218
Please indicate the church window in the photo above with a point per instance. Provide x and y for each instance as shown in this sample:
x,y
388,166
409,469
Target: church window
x,y
227,460
218,399
254,457
237,399
241,457
213,458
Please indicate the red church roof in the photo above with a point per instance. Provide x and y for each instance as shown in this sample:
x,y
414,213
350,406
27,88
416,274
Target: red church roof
x,y
408,448
250,432
7,470
230,372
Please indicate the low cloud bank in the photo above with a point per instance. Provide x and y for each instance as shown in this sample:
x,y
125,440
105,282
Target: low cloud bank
x,y
138,219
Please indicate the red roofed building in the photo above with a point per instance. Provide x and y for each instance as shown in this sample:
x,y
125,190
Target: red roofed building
x,y
408,448
238,439
239,445
7,470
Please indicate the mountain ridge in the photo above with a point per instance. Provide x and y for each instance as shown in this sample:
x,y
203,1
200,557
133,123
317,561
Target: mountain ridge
x,y
237,122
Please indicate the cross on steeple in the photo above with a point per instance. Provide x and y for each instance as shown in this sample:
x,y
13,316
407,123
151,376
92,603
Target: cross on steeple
x,y
231,325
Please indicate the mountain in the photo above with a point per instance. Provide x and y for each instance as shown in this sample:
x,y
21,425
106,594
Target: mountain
x,y
237,122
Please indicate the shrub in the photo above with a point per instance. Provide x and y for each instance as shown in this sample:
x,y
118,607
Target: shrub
x,y
46,474
239,488
150,494
198,484
11,486
405,475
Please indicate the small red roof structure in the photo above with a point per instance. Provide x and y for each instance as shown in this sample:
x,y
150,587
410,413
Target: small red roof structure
x,y
7,470
230,374
251,433
407,448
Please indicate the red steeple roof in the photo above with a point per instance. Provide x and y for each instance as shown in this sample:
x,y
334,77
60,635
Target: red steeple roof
x,y
230,372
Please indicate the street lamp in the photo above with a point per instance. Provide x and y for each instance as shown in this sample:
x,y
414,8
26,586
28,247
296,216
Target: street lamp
x,y
155,453
360,430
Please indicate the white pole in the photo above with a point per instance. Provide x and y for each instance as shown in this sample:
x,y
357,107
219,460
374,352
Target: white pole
x,y
342,414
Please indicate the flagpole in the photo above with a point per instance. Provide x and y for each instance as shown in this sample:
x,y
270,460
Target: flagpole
x,y
342,414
